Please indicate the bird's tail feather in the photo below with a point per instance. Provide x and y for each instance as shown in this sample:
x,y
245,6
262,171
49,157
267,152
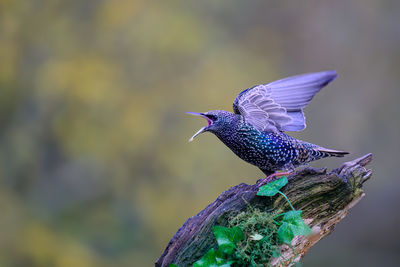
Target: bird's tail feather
x,y
332,153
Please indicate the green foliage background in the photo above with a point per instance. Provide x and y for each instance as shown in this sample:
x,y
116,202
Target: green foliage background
x,y
95,168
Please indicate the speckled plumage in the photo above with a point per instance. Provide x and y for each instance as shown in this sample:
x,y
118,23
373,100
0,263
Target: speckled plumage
x,y
255,131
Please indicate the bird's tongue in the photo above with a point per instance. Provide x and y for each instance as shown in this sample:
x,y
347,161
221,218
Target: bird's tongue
x,y
196,134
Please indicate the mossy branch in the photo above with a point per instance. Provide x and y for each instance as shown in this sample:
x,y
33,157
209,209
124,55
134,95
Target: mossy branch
x,y
324,198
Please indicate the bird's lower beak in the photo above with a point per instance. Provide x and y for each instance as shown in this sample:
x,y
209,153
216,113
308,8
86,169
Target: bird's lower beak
x,y
202,130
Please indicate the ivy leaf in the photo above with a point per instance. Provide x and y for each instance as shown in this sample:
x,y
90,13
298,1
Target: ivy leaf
x,y
285,233
227,238
213,258
294,218
292,225
272,188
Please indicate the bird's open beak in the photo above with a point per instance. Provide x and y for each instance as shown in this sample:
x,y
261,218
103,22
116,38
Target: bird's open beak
x,y
203,129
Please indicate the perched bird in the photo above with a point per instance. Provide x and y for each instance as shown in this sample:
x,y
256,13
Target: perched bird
x,y
255,131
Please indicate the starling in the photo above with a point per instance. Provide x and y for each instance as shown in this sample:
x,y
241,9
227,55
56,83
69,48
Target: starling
x,y
255,132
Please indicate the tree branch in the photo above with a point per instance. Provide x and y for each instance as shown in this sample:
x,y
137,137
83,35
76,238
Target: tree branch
x,y
324,198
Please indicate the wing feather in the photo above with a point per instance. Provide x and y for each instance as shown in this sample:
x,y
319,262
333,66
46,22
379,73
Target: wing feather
x,y
278,106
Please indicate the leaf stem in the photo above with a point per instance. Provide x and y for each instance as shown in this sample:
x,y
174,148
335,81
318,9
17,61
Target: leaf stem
x,y
277,223
280,214
286,199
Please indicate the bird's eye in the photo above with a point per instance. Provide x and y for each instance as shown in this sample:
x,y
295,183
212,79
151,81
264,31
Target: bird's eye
x,y
212,117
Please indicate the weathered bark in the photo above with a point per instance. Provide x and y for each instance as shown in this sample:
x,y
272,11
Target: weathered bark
x,y
324,198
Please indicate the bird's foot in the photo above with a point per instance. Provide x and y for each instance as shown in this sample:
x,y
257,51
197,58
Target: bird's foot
x,y
272,177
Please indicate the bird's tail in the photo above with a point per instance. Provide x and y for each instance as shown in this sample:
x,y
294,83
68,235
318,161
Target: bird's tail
x,y
332,153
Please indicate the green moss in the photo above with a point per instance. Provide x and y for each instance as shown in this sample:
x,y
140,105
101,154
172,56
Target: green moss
x,y
260,225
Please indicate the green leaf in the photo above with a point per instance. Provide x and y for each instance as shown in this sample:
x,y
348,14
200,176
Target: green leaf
x,y
173,265
272,188
294,217
285,233
213,258
227,238
292,225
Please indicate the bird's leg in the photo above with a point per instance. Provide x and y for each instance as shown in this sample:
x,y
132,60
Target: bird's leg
x,y
277,174
273,177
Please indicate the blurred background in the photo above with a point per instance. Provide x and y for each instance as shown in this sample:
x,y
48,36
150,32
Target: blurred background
x,y
95,167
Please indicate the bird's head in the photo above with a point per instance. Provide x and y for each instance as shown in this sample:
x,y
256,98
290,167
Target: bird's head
x,y
217,120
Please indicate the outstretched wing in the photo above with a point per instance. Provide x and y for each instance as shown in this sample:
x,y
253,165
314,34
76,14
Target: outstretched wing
x,y
278,106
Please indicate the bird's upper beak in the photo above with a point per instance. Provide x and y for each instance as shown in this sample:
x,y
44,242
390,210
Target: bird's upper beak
x,y
203,129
